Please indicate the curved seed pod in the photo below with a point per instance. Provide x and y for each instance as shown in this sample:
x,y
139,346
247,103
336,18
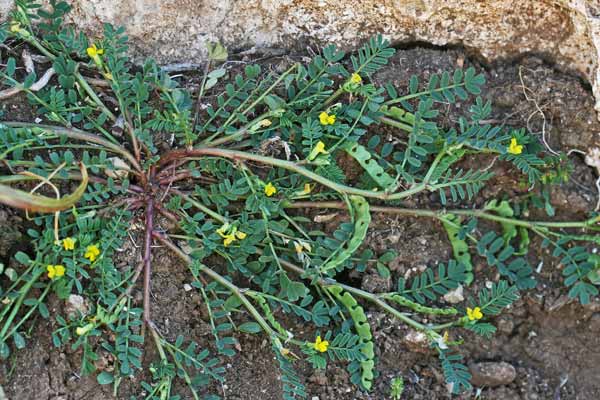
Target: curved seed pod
x,y
31,202
364,158
262,302
460,248
403,301
362,219
364,332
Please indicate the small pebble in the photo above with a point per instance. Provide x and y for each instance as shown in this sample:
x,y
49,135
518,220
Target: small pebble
x,y
492,374
454,296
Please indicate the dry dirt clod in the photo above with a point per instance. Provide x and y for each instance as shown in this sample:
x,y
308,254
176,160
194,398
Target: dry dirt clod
x,y
375,283
76,306
492,374
319,378
416,341
455,296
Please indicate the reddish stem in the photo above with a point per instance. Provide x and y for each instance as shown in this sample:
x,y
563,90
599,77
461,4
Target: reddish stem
x,y
166,213
148,257
169,168
175,177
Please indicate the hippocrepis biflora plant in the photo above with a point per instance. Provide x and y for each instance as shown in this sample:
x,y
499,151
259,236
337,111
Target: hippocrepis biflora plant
x,y
231,190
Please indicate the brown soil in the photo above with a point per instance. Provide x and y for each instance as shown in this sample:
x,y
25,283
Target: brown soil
x,y
551,341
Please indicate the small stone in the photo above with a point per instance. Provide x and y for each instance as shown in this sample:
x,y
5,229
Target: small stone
x,y
187,287
76,306
121,170
416,341
455,296
492,374
314,398
375,283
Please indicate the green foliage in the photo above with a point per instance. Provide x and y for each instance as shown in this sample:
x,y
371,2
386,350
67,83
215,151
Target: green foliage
x,y
499,296
357,313
292,385
577,267
460,249
396,388
456,373
433,283
493,248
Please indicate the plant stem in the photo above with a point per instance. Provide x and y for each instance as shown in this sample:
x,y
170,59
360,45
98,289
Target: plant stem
x,y
148,257
291,166
28,314
74,133
15,308
438,214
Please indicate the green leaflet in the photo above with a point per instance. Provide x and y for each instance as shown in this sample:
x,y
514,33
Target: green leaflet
x,y
460,248
364,158
503,209
362,219
403,301
364,332
509,231
268,314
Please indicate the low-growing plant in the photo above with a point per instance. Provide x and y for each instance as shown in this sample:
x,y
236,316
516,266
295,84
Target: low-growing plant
x,y
223,179
396,388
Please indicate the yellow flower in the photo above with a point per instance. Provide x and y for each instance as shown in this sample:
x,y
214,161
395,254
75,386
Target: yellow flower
x,y
228,239
92,252
230,234
270,189
321,345
474,314
299,248
94,52
82,330
265,123
318,149
55,271
223,229
15,27
307,188
445,337
355,78
515,148
326,119
68,243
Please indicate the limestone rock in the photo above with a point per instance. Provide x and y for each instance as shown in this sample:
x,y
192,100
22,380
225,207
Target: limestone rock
x,y
566,31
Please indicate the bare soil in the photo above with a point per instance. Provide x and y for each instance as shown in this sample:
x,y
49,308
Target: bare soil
x,y
552,342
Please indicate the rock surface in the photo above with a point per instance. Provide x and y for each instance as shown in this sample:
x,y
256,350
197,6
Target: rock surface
x,y
492,374
566,32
